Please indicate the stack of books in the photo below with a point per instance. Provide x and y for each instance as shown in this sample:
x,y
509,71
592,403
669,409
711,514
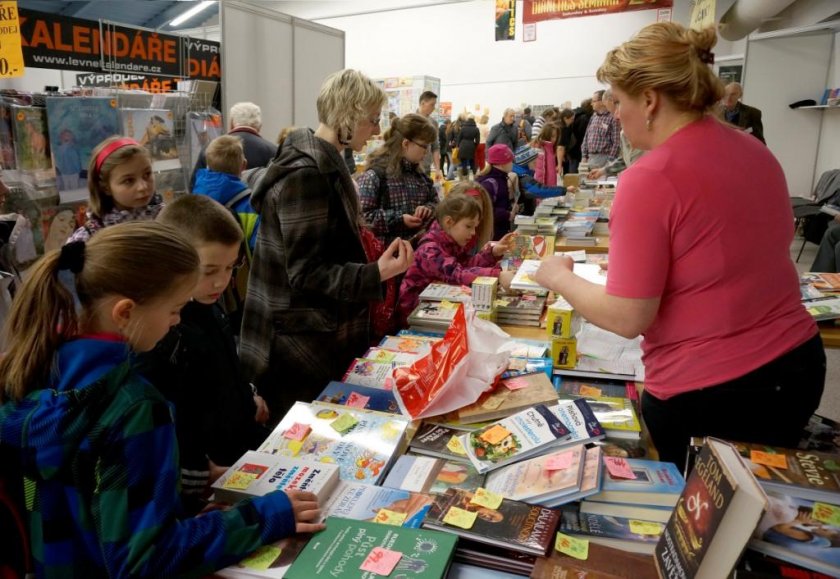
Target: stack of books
x,y
434,316
521,310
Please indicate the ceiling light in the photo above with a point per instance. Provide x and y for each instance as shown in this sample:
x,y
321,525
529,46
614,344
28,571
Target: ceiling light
x,y
191,12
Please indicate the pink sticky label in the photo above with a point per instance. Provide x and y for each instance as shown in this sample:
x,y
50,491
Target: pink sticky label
x,y
515,383
619,468
559,461
297,431
381,561
356,400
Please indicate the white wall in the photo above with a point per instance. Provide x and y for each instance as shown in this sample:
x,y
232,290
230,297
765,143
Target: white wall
x,y
455,42
829,149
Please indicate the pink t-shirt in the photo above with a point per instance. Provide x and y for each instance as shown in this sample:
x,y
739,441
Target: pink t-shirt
x,y
704,222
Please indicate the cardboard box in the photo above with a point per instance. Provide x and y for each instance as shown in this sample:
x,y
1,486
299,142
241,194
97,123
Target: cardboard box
x,y
562,321
564,352
489,315
484,291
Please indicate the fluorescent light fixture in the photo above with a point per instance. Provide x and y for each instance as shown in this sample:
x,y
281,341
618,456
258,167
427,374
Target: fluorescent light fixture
x,y
191,12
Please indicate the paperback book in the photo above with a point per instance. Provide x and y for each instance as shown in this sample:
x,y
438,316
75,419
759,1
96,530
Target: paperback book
x,y
258,473
824,308
31,139
155,130
579,419
343,547
438,292
596,387
368,373
425,474
655,484
524,278
509,397
408,343
527,433
363,502
433,315
631,535
391,356
714,517
359,397
514,525
362,442
537,481
269,561
439,441
616,415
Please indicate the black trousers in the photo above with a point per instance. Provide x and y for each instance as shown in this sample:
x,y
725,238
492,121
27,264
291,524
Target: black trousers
x,y
770,405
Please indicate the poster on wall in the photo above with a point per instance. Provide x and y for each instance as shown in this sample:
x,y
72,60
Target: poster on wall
x,y
537,10
505,20
730,73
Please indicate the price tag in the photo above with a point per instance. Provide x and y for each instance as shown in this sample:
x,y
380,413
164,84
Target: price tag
x,y
297,431
455,446
239,481
495,434
500,303
357,400
262,558
485,498
587,390
619,468
381,561
768,459
344,423
515,383
646,528
11,57
826,513
447,305
572,546
387,517
559,461
458,517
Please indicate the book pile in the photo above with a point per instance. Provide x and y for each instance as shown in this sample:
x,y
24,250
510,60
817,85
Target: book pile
x,y
521,310
433,316
438,292
821,295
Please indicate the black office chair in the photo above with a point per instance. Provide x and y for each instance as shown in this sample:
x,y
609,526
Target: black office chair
x,y
808,218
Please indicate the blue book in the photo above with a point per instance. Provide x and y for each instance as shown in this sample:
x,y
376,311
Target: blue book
x,y
521,366
656,484
339,392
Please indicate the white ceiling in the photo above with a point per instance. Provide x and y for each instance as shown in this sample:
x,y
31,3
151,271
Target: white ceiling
x,y
321,9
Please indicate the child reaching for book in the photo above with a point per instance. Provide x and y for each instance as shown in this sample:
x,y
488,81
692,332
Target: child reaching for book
x,y
94,441
443,254
121,185
196,366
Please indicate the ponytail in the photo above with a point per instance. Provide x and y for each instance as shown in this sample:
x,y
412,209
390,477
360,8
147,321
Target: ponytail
x,y
43,315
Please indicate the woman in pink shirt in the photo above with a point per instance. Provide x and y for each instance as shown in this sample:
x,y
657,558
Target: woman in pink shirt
x,y
728,348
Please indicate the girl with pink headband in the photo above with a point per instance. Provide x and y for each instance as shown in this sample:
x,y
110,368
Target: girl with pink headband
x,y
121,185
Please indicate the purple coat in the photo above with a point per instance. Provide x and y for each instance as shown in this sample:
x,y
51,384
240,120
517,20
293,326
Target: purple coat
x,y
440,259
496,183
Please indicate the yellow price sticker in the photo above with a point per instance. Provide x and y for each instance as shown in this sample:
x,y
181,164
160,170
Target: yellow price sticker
x,y
485,498
456,446
587,390
646,528
826,513
239,481
11,58
262,558
572,546
387,517
458,517
447,305
344,423
495,434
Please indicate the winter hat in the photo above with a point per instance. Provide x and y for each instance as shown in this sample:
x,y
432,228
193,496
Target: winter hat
x,y
525,154
499,155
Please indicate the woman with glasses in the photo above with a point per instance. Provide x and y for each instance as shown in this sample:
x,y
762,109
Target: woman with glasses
x,y
398,198
307,307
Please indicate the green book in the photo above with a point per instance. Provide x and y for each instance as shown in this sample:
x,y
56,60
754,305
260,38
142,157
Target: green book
x,y
341,549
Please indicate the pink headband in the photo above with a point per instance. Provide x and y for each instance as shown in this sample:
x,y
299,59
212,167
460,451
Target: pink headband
x,y
106,152
473,192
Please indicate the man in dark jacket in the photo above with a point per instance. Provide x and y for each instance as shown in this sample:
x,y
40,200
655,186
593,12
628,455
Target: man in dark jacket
x,y
582,115
504,133
468,139
245,124
742,116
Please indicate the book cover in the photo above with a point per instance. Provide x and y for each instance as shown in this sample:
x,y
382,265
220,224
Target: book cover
x,y
408,343
368,373
395,358
596,387
436,440
377,399
269,561
258,473
824,308
826,281
579,419
31,138
788,531
616,415
155,130
363,451
521,366
524,278
362,502
7,142
524,434
341,549
603,563
520,305
530,390
617,530
656,483
593,472
76,126
514,525
434,314
425,474
437,292
713,519
60,221
530,480
807,473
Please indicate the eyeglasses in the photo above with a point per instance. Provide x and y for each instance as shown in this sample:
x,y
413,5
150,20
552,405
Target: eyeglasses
x,y
424,147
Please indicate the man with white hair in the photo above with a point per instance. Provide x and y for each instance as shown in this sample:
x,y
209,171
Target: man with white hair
x,y
743,116
245,124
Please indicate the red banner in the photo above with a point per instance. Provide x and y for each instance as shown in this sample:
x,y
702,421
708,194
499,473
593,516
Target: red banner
x,y
537,10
